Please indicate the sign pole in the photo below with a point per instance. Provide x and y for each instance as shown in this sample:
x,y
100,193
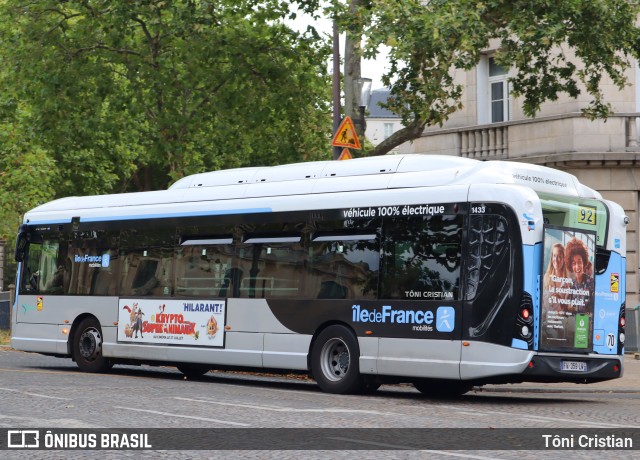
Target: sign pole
x,y
336,85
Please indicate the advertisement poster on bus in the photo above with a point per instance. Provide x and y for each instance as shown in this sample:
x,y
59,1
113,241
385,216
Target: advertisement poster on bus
x,y
568,289
175,322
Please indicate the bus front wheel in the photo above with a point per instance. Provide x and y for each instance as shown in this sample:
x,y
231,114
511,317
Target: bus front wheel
x,y
334,361
87,347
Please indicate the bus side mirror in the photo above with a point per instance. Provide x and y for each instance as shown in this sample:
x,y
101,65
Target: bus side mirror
x,y
22,242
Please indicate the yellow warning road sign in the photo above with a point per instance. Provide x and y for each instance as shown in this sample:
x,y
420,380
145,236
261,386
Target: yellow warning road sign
x,y
345,155
346,135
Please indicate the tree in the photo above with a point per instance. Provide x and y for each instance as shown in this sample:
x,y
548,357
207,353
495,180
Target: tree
x,y
554,47
132,95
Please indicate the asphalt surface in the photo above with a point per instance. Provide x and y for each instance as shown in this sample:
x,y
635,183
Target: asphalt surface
x,y
629,383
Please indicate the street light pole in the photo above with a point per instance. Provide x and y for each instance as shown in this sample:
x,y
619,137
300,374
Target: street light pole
x,y
362,95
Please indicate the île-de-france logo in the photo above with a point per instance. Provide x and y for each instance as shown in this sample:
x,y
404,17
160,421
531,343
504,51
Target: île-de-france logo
x,y
445,319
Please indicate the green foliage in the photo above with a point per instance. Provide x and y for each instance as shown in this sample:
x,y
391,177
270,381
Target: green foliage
x,y
26,174
132,95
554,47
103,96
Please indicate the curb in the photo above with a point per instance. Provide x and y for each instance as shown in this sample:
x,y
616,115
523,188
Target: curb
x,y
538,390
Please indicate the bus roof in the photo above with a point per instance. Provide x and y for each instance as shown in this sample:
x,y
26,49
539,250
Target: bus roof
x,y
374,173
451,170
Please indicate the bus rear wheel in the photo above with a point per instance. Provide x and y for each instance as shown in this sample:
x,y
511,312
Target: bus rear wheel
x,y
193,371
442,389
87,347
334,361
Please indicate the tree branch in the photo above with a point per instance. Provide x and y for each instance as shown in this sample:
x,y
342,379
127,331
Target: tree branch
x,y
105,47
408,133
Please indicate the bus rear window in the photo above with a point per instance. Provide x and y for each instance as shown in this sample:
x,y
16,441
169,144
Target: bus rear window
x,y
576,212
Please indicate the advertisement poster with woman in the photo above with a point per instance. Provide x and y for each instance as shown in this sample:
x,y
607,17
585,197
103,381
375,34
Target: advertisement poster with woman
x,y
568,289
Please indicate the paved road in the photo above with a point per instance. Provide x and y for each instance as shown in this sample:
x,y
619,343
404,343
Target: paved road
x,y
43,392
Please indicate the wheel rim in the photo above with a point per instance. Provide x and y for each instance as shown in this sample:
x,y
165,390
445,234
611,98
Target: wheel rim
x,y
334,359
90,344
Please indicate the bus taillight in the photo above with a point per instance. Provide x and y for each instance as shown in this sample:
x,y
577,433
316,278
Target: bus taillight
x,y
622,322
523,330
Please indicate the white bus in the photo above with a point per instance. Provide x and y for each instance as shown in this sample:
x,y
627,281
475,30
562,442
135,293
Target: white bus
x,y
434,270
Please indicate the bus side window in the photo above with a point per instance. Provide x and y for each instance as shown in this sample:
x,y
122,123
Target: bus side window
x,y
30,279
44,271
231,283
146,273
270,260
145,277
203,270
146,261
344,265
422,257
90,263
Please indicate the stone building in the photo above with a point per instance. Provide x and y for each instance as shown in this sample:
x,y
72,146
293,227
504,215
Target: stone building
x,y
603,154
381,123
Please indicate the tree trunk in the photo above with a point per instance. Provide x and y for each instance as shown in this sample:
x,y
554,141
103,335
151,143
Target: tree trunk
x,y
352,72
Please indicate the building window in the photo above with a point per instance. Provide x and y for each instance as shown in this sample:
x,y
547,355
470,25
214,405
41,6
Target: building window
x,y
388,130
498,92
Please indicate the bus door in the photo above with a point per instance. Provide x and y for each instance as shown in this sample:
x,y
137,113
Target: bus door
x,y
421,263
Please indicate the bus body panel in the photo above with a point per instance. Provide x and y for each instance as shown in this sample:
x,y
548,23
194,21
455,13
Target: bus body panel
x,y
610,293
369,347
253,315
39,338
58,309
482,360
419,358
286,351
532,263
617,238
241,349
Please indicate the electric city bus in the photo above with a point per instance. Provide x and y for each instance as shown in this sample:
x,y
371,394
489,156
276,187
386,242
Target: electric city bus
x,y
439,271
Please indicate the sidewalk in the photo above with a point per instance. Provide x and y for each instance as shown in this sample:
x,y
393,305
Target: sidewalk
x,y
629,383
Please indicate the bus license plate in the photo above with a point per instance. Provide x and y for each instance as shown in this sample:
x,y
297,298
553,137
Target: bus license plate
x,y
579,366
